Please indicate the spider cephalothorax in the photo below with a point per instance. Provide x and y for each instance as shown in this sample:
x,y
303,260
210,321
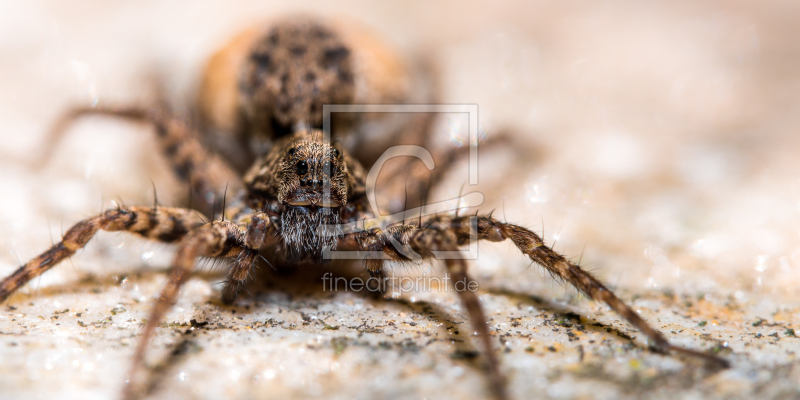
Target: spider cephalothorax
x,y
308,179
304,171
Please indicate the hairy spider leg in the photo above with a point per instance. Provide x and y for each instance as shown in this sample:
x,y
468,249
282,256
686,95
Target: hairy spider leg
x,y
407,177
164,224
260,231
424,241
458,273
215,239
197,238
219,238
445,232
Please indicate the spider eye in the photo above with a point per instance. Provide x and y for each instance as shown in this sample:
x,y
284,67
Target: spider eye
x,y
301,168
291,152
327,169
336,153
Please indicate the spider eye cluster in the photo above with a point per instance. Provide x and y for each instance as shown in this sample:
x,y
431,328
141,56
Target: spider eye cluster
x,y
311,172
301,167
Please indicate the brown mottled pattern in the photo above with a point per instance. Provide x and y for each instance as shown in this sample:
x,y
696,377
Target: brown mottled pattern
x,y
292,70
153,223
261,85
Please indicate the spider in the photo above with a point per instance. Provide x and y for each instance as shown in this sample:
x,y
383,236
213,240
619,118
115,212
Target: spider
x,y
261,101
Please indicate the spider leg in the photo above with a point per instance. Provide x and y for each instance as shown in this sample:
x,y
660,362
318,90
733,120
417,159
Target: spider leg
x,y
423,242
458,273
205,171
215,239
160,223
412,242
407,178
376,283
259,231
534,247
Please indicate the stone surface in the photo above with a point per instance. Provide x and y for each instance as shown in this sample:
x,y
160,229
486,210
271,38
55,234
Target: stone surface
x,y
658,141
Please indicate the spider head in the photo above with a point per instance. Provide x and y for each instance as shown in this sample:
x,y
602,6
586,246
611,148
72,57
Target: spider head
x,y
303,171
311,180
312,174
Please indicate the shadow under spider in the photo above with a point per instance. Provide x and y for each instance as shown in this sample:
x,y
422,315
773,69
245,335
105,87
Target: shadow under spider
x,y
591,324
464,349
299,282
98,283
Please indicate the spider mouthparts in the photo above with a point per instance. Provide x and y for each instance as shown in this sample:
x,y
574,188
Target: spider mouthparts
x,y
322,203
330,204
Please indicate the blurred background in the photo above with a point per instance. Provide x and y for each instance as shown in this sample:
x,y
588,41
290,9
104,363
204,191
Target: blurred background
x,y
659,141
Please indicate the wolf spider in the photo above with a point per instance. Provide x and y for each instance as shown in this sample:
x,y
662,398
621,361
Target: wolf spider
x,y
270,112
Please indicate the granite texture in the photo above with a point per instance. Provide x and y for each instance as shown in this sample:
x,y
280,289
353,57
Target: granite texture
x,y
658,141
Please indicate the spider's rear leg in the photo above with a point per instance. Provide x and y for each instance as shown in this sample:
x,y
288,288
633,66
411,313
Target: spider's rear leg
x,y
207,173
159,223
406,179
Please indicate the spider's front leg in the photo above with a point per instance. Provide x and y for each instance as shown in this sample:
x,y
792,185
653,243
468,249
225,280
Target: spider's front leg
x,y
219,238
159,223
409,242
215,239
462,229
533,246
260,231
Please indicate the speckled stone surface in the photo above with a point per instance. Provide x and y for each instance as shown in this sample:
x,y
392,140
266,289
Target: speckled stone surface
x,y
658,140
